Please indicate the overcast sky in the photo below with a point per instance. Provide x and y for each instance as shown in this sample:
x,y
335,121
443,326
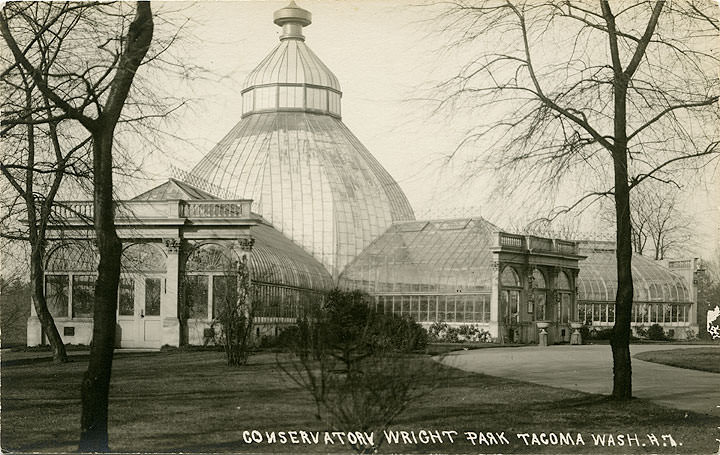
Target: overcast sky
x,y
384,58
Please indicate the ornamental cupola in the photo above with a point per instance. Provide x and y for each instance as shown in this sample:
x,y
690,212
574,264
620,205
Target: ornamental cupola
x,y
292,78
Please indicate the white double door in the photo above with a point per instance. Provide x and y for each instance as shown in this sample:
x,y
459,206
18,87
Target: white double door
x,y
139,303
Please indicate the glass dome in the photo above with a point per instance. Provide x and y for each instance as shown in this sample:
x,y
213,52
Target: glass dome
x,y
305,171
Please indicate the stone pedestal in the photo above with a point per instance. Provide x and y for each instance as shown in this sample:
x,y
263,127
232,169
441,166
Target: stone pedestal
x,y
576,337
543,335
543,338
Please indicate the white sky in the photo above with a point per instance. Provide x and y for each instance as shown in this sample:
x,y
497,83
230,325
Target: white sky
x,y
383,56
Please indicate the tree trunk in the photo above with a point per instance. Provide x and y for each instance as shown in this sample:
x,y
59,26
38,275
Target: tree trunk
x,y
620,341
96,382
37,279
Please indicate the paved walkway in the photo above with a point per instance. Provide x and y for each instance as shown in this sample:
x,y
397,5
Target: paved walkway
x,y
589,369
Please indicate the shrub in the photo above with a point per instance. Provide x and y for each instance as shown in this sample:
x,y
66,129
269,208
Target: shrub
x,y
641,331
656,333
602,334
441,332
585,333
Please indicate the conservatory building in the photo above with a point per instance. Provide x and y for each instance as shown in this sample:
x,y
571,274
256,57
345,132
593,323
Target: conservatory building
x,y
294,195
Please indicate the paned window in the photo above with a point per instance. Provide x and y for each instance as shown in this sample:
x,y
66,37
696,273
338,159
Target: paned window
x,y
56,294
83,294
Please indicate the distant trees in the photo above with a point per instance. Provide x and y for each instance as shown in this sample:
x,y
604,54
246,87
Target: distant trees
x,y
358,365
659,225
591,99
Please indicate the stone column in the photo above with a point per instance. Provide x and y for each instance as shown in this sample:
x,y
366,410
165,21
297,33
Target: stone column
x,y
170,303
495,327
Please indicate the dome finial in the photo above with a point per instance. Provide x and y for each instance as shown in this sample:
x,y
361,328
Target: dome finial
x,y
292,19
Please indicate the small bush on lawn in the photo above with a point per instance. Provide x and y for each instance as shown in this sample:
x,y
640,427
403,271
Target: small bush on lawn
x,y
656,333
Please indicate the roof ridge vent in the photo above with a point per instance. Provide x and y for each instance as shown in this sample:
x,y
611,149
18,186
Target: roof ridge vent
x,y
292,19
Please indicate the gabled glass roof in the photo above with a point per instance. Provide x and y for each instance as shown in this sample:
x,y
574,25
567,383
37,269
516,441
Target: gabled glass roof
x,y
441,256
652,281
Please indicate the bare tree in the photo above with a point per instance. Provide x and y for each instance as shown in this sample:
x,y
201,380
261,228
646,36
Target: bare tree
x,y
34,161
659,226
233,320
591,97
77,83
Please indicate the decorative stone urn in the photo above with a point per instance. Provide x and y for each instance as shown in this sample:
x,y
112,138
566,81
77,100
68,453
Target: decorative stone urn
x,y
576,337
543,336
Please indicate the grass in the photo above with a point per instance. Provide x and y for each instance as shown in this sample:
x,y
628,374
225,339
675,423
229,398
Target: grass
x,y
703,359
192,402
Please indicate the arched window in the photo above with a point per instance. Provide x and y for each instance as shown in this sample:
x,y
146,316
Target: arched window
x,y
143,257
510,298
509,277
564,291
73,257
563,282
209,258
538,279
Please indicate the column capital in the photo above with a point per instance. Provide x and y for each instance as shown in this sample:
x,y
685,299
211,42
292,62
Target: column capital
x,y
246,243
172,245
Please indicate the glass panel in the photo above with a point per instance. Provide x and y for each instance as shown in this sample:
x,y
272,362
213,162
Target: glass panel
x,y
486,309
225,294
247,99
334,101
196,296
126,297
596,312
152,297
56,294
538,279
423,316
317,99
291,97
565,308
460,309
265,98
611,312
83,293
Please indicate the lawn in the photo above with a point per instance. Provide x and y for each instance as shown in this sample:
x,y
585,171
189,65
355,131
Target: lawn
x,y
192,402
703,359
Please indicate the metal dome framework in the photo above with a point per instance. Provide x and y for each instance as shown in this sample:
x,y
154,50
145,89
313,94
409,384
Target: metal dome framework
x,y
305,171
